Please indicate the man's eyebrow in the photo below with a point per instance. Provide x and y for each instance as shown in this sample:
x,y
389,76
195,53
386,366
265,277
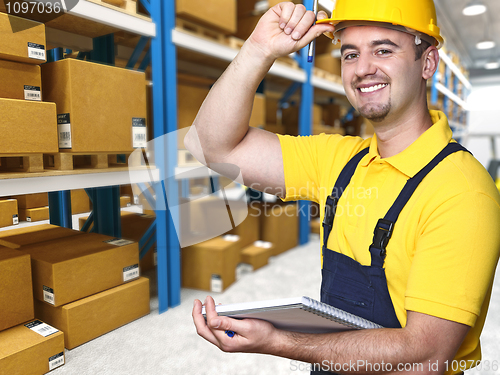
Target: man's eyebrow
x,y
346,46
379,42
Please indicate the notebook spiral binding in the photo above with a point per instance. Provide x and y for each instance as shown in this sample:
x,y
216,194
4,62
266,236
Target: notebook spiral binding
x,y
340,316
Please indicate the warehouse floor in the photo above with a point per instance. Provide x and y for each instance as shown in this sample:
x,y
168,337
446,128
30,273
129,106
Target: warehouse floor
x,y
168,344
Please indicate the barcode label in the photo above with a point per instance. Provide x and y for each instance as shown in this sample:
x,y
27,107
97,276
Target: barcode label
x,y
41,328
32,93
48,295
139,132
119,242
15,219
64,130
130,272
56,361
36,51
216,284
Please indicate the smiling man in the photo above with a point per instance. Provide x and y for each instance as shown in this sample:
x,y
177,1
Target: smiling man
x,y
419,253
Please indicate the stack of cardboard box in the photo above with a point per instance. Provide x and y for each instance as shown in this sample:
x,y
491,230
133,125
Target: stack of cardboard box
x,y
268,230
83,284
33,207
25,346
28,125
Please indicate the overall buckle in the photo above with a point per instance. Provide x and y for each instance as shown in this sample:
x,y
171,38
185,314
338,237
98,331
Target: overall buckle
x,y
382,234
330,208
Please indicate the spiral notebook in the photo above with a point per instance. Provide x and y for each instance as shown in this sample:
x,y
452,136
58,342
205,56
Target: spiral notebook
x,y
300,314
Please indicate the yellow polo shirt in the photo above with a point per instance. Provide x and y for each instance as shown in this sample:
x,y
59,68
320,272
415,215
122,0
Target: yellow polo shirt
x,y
445,246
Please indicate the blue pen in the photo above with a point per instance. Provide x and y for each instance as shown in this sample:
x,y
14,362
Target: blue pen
x,y
230,333
310,52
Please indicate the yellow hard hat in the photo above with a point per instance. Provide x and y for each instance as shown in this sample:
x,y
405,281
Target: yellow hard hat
x,y
415,17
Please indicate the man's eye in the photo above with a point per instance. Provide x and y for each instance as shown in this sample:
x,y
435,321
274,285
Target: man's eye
x,y
350,56
383,52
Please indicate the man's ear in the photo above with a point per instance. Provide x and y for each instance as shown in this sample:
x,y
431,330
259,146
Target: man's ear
x,y
430,62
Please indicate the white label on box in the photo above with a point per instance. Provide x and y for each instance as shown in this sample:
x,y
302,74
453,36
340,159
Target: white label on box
x,y
263,244
15,219
41,328
130,272
28,218
64,130
231,237
119,242
48,295
56,361
32,93
139,132
216,284
243,269
36,51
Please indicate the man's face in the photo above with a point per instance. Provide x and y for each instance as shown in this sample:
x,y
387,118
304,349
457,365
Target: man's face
x,y
379,72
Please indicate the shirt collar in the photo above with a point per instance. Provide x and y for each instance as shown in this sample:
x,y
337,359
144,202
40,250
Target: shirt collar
x,y
416,156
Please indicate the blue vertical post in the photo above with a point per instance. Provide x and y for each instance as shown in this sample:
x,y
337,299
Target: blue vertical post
x,y
59,201
164,68
305,120
171,186
60,208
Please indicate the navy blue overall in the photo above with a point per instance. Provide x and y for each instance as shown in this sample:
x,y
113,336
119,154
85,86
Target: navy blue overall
x,y
346,284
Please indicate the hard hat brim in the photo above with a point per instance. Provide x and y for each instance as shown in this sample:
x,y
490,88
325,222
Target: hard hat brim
x,y
438,40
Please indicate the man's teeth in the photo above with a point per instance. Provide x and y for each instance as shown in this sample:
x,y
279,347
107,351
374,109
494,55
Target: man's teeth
x,y
373,88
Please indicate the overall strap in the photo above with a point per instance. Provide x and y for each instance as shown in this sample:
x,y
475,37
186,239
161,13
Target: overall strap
x,y
340,185
385,226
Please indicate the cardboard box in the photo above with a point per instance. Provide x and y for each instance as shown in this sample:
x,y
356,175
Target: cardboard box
x,y
280,226
220,14
20,81
317,114
257,254
190,100
16,293
101,106
32,200
315,226
91,317
28,351
134,226
72,268
125,201
22,40
28,127
34,214
80,201
18,237
210,265
8,213
248,230
328,63
258,117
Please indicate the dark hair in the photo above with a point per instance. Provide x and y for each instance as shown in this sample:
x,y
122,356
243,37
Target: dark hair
x,y
420,49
